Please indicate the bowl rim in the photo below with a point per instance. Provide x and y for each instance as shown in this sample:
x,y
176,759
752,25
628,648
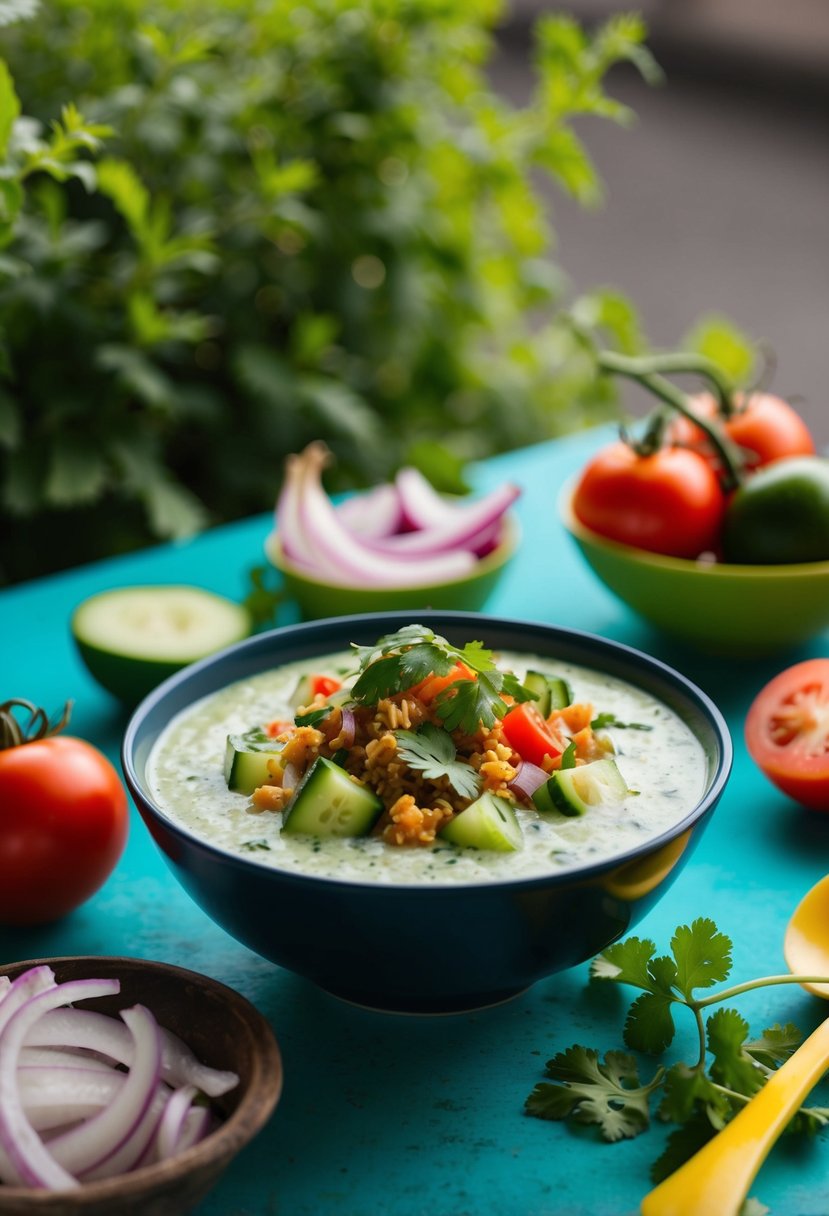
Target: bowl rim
x,y
497,557
679,565
329,631
256,1104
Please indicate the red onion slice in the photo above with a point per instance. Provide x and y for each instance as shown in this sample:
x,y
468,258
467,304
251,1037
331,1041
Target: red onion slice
x,y
466,527
348,727
197,1125
342,559
29,1157
373,514
172,1121
85,1028
93,1142
22,989
53,1096
422,506
528,778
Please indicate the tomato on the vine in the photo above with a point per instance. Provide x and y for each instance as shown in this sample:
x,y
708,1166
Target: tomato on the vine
x,y
669,501
764,427
64,820
787,732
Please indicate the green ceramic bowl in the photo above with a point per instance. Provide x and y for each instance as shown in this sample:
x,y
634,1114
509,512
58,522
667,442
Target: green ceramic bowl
x,y
719,608
320,599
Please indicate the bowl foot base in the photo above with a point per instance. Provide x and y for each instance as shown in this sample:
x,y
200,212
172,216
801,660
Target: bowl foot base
x,y
411,1005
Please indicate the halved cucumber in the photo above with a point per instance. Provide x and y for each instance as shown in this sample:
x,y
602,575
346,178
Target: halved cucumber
x,y
552,692
328,803
487,823
132,638
246,760
572,791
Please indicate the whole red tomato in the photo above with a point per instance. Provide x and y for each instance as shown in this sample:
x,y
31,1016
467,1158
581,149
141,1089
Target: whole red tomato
x,y
765,427
787,732
667,502
63,826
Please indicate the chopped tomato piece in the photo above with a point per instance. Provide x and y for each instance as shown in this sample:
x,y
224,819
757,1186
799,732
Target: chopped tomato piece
x,y
527,732
277,727
323,686
573,718
427,690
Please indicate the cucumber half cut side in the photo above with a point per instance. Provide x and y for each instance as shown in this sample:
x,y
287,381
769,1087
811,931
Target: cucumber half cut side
x,y
132,638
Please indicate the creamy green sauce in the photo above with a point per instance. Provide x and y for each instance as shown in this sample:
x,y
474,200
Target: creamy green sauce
x,y
665,765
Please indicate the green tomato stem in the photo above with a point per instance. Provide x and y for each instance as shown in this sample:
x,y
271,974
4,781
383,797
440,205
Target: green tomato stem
x,y
13,733
691,364
624,365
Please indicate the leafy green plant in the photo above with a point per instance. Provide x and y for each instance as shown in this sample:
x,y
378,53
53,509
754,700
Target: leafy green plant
x,y
699,1097
306,221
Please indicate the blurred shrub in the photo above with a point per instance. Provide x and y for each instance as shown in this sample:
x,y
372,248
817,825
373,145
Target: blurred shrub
x,y
306,220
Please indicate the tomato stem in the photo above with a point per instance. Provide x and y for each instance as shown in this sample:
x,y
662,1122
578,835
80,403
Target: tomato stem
x,y
13,733
636,369
685,362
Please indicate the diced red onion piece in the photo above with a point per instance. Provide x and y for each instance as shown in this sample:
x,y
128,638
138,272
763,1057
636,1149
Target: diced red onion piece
x,y
342,559
466,527
31,1159
93,1142
348,728
85,1028
528,778
373,514
172,1120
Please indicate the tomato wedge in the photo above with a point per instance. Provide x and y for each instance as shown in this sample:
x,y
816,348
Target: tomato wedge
x,y
324,686
528,733
787,732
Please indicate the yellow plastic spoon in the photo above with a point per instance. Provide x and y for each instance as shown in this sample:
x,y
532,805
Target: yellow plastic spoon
x,y
718,1177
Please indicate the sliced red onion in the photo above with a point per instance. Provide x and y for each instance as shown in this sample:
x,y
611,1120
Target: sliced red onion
x,y
348,727
172,1120
29,1157
422,506
85,1147
55,1057
5,984
197,1125
22,989
466,527
53,1096
85,1028
137,1147
528,778
342,559
373,514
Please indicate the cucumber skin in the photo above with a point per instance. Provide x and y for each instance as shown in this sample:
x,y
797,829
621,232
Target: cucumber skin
x,y
322,771
130,679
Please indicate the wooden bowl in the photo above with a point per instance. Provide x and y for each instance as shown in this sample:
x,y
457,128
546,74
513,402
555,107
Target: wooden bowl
x,y
225,1031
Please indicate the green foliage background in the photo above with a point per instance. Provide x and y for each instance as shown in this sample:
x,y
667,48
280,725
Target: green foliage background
x,y
229,227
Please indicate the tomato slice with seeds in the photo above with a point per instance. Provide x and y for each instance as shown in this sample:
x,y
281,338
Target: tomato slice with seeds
x,y
787,732
529,733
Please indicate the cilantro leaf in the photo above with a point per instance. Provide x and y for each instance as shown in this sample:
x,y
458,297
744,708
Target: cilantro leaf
x,y
732,1066
313,716
602,721
649,1025
626,962
431,751
775,1044
703,955
608,1093
689,1091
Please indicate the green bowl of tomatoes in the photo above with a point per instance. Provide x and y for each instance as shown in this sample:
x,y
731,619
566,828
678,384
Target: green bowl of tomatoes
x,y
715,530
718,607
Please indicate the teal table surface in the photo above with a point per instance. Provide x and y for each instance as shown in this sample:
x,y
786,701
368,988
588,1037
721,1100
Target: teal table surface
x,y
406,1116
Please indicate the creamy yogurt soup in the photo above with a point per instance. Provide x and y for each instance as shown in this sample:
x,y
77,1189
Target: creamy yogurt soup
x,y
663,766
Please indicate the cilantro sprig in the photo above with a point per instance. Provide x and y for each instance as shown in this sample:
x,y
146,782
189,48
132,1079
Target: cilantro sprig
x,y
700,1096
431,751
400,660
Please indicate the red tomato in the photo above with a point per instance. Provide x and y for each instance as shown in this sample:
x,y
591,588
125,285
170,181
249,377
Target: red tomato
x,y
766,428
669,502
63,825
528,733
323,686
787,732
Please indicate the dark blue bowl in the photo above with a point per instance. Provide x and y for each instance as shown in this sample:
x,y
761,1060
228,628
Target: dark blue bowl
x,y
425,949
